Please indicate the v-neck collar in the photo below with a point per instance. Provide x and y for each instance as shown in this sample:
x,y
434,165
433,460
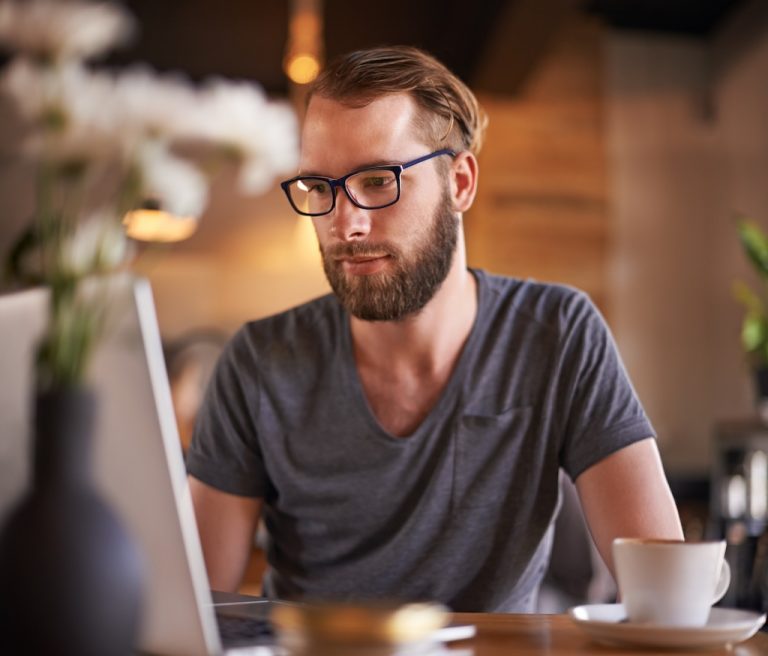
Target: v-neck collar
x,y
359,401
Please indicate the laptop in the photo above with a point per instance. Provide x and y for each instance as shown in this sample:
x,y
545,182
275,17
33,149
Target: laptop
x,y
139,468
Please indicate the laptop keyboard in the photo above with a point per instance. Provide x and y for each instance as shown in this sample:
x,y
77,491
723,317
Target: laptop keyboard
x,y
236,631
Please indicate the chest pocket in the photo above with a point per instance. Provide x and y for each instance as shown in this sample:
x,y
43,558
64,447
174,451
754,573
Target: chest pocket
x,y
495,458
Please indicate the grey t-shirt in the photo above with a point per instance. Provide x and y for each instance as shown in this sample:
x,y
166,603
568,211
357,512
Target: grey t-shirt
x,y
458,512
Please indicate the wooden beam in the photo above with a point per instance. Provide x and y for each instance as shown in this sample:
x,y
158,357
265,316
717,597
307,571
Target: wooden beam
x,y
520,39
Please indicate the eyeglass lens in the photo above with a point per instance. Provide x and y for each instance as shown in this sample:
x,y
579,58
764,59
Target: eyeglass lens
x,y
370,189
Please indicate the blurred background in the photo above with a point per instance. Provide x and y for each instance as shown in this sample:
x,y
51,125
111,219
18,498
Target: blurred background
x,y
625,138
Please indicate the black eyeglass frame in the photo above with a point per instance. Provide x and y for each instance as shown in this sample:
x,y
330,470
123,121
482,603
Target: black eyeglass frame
x,y
337,183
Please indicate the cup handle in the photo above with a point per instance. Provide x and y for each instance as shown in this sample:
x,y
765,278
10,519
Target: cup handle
x,y
723,582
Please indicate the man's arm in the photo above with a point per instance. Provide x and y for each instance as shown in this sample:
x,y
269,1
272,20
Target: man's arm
x,y
227,524
627,495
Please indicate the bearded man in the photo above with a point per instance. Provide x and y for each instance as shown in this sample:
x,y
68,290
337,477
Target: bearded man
x,y
402,437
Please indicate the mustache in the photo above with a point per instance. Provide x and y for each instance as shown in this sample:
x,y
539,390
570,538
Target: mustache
x,y
361,249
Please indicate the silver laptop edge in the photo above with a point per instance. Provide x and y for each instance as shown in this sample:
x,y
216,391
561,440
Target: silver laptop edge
x,y
176,469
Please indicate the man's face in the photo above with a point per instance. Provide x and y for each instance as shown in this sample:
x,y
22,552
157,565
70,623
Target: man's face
x,y
384,264
413,276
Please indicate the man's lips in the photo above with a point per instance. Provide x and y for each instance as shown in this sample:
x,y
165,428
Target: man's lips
x,y
362,265
356,259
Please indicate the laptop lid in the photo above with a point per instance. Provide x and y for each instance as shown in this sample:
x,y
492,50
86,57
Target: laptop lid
x,y
138,460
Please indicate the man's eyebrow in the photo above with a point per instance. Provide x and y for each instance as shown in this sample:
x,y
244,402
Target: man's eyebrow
x,y
310,174
367,165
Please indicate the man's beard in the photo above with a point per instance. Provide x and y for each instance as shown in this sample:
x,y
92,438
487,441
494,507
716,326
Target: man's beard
x,y
392,296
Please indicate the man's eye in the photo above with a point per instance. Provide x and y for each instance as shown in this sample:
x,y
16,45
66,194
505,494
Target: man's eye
x,y
376,181
313,186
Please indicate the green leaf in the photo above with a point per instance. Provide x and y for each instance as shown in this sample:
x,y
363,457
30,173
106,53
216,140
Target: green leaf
x,y
755,244
754,332
749,299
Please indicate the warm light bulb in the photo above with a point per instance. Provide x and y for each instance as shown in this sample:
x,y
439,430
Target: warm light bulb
x,y
303,68
158,225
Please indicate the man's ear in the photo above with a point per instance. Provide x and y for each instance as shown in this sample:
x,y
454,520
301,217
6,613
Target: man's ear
x,y
464,174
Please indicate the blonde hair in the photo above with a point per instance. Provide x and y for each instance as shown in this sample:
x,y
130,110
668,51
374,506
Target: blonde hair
x,y
449,115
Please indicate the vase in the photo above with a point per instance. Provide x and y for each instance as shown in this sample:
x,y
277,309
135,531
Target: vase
x,y
70,574
760,378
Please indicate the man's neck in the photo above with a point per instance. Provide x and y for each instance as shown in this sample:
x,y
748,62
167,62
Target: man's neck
x,y
428,340
404,366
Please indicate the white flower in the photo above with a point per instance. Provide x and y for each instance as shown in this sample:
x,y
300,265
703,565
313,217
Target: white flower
x,y
176,185
104,140
147,104
240,118
51,30
70,106
97,245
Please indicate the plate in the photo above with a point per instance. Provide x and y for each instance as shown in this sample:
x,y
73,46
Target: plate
x,y
606,623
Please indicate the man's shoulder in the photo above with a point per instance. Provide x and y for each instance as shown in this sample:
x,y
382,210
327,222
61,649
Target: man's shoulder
x,y
549,304
300,330
311,315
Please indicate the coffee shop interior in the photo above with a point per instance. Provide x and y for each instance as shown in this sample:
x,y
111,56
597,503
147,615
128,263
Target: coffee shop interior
x,y
626,140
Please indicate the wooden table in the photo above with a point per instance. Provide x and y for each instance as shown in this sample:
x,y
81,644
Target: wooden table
x,y
557,635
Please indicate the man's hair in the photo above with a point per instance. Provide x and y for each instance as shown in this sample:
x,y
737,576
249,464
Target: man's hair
x,y
449,114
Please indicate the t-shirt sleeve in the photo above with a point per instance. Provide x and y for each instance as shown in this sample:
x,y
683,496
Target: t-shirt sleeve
x,y
224,452
603,412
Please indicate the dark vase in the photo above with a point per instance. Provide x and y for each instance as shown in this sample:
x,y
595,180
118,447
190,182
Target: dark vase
x,y
70,575
761,392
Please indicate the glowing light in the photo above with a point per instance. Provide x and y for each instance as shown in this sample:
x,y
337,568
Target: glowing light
x,y
304,49
302,69
158,226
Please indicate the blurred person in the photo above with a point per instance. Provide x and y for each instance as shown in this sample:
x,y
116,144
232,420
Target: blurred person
x,y
402,436
190,360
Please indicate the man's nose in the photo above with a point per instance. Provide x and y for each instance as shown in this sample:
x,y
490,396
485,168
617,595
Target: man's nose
x,y
349,222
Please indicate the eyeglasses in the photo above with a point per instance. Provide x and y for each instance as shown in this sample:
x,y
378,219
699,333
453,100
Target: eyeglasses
x,y
370,188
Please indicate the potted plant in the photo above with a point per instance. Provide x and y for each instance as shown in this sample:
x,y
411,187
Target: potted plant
x,y
754,330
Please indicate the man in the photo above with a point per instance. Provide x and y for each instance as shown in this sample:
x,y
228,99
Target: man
x,y
402,437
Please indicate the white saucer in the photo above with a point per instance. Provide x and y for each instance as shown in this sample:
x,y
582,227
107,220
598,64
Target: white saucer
x,y
606,623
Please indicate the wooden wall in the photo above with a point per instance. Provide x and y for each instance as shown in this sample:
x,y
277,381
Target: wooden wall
x,y
542,207
688,152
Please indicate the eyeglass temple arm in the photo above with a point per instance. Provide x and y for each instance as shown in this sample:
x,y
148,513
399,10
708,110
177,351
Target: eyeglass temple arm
x,y
424,158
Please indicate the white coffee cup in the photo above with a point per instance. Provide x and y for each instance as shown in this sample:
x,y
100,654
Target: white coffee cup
x,y
670,583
